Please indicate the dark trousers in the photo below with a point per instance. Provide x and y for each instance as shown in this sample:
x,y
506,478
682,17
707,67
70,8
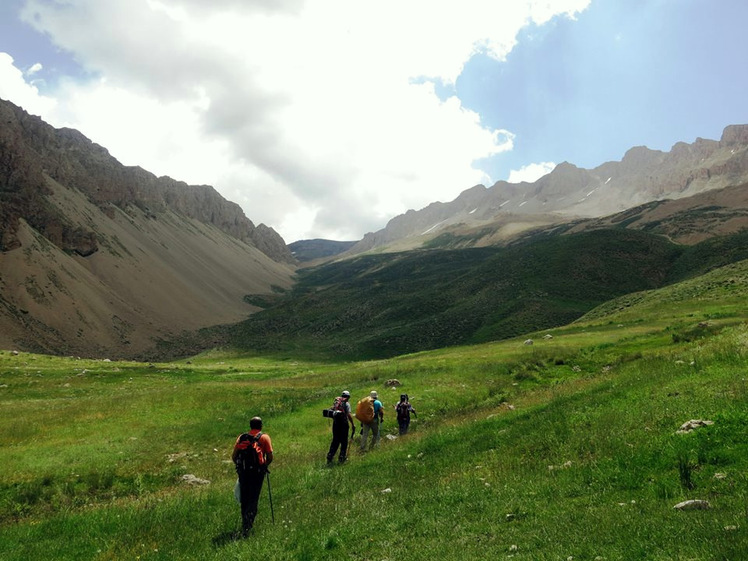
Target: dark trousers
x,y
403,426
250,486
339,439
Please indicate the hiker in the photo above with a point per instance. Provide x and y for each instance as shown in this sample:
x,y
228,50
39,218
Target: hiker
x,y
403,410
253,453
371,416
341,409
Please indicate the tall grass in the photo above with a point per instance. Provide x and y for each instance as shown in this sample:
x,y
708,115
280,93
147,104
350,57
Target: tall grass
x,y
567,448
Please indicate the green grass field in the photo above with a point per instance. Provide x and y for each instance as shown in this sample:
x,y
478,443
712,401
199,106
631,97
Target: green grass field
x,y
563,449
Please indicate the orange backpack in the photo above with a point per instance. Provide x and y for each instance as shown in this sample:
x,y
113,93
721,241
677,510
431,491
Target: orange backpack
x,y
250,457
365,410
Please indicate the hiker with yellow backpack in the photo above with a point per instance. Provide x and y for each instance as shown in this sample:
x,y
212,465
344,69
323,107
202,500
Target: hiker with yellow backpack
x,y
370,412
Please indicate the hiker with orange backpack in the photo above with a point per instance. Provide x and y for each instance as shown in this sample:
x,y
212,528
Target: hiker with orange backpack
x,y
341,416
371,414
253,453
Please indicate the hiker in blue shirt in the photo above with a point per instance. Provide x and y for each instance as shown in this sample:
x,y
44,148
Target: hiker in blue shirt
x,y
374,425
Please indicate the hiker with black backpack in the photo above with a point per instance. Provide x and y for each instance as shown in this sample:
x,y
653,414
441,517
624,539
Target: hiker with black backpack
x,y
341,416
403,410
253,453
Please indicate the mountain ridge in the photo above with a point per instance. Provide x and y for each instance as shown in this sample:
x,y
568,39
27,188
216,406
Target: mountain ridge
x,y
569,193
32,150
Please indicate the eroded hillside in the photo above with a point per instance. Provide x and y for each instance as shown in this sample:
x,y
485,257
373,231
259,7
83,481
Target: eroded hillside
x,y
102,259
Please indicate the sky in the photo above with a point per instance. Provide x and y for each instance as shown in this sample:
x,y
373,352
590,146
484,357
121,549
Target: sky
x,y
327,118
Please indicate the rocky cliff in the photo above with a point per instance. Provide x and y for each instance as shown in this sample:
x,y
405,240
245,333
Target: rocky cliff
x,y
100,259
31,150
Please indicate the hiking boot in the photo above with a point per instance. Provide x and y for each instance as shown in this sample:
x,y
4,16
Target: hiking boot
x,y
342,460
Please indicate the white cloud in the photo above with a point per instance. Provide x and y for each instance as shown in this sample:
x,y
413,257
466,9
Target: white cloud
x,y
13,87
530,172
314,116
34,69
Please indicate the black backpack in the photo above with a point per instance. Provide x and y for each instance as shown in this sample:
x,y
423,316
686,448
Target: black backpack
x,y
403,411
249,458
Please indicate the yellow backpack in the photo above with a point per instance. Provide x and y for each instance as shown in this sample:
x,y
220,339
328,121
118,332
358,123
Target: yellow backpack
x,y
365,410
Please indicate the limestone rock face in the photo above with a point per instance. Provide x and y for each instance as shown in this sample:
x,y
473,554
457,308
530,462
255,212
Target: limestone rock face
x,y
32,151
735,135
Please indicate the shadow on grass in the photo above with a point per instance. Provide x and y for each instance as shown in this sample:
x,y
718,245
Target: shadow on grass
x,y
226,538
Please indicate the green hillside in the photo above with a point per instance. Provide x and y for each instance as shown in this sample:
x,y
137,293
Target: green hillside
x,y
710,254
309,250
377,306
564,449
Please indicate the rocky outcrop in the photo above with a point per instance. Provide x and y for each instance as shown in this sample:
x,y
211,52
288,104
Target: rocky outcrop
x,y
734,135
270,243
32,151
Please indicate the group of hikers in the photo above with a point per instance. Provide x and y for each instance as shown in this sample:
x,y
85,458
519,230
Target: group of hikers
x,y
253,450
370,412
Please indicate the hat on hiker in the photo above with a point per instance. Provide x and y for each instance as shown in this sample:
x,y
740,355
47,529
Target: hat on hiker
x,y
403,396
374,394
345,393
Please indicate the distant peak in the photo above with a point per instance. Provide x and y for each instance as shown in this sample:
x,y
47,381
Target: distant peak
x,y
640,155
475,189
564,166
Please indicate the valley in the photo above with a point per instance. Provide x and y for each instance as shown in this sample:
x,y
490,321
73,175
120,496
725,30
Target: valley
x,y
528,220
566,447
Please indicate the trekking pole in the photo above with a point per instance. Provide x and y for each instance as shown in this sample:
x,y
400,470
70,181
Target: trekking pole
x,y
270,496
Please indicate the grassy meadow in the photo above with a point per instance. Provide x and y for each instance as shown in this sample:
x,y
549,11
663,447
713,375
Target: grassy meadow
x,y
563,449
